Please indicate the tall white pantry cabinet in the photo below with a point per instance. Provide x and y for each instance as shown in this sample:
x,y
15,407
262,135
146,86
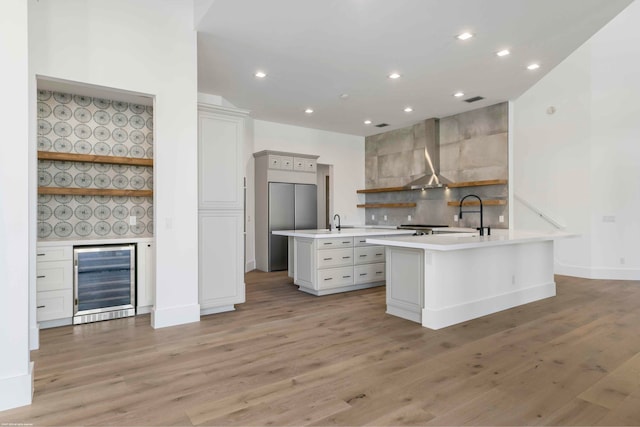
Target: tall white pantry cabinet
x,y
221,199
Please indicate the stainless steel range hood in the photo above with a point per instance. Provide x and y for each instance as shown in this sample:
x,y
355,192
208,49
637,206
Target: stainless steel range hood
x,y
432,179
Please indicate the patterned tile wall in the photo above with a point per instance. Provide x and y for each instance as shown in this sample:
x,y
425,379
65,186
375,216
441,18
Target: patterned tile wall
x,y
80,124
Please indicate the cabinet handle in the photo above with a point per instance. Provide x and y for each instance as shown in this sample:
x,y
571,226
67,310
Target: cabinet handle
x,y
346,243
346,257
362,256
345,277
328,278
41,254
328,243
328,259
40,277
378,272
41,306
363,274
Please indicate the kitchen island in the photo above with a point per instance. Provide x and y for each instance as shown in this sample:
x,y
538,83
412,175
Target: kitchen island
x,y
324,262
441,280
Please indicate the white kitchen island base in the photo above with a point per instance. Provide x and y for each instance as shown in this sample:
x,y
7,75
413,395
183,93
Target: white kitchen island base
x,y
440,281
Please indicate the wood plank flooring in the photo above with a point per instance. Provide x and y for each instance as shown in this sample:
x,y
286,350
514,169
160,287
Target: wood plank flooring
x,y
288,358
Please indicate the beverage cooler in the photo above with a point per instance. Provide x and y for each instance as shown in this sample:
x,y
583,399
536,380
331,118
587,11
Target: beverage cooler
x,y
104,282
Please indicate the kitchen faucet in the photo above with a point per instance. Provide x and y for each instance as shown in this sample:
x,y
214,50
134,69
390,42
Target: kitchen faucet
x,y
334,218
480,212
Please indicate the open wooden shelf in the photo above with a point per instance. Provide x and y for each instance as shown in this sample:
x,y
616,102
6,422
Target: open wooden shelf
x,y
91,158
491,202
388,205
94,192
477,183
382,190
452,185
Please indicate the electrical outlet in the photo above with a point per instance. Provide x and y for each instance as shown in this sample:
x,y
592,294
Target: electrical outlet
x,y
501,218
455,218
408,217
133,220
385,217
373,217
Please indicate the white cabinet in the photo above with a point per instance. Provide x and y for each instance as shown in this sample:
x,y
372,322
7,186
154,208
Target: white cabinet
x,y
221,275
221,134
331,265
405,279
54,284
146,277
221,139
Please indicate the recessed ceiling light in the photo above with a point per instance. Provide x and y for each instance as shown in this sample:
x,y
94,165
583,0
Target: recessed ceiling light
x,y
367,122
533,66
503,52
408,109
260,74
309,111
344,96
464,36
394,76
458,94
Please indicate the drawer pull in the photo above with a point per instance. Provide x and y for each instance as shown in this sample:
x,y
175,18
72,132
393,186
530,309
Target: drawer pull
x,y
346,243
346,257
362,256
328,278
41,254
41,277
379,254
363,274
328,259
328,243
345,277
41,306
379,272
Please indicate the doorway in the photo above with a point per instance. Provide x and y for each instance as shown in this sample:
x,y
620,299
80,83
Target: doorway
x,y
325,195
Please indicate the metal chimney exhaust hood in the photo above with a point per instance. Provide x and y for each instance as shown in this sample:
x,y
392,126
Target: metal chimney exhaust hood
x,y
432,179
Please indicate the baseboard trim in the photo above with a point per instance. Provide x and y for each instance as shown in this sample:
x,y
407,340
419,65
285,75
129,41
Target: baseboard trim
x,y
55,323
600,273
447,316
340,289
34,338
173,316
144,310
215,310
16,391
404,313
250,266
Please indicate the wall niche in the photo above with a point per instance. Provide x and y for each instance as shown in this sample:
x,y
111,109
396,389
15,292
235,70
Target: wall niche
x,y
85,125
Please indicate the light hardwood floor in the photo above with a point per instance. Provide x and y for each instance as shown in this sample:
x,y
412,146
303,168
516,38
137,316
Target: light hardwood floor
x,y
288,358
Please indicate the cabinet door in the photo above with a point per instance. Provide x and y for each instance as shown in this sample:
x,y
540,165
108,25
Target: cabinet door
x,y
54,275
54,305
221,245
220,145
146,270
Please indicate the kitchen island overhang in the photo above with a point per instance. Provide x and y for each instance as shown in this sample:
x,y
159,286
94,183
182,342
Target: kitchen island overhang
x,y
442,280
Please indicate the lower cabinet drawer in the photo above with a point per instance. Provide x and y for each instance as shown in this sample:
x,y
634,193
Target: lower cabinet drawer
x,y
54,253
335,277
335,257
368,254
54,275
369,273
335,242
52,305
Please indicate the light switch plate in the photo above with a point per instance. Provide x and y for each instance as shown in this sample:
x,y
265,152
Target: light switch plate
x,y
501,218
133,220
385,217
455,218
408,217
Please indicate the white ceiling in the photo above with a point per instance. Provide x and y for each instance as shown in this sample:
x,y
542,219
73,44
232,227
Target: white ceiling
x,y
315,50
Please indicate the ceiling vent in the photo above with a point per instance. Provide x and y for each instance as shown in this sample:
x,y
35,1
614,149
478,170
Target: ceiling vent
x,y
474,99
382,125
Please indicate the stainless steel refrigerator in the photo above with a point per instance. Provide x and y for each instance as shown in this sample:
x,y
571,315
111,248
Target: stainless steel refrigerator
x,y
291,207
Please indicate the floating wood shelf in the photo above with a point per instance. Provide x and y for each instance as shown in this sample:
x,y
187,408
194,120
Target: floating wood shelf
x,y
388,205
477,183
90,158
492,202
452,185
94,192
382,190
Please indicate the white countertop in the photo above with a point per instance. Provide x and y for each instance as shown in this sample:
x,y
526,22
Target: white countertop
x,y
461,240
345,232
94,241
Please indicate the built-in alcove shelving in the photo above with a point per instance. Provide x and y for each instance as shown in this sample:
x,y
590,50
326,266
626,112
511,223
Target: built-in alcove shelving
x,y
90,158
451,185
488,202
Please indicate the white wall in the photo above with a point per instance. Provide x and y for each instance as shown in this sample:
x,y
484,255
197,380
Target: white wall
x,y
344,152
149,47
580,164
15,368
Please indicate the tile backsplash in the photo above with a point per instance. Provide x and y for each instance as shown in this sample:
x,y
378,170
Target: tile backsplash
x,y
80,124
